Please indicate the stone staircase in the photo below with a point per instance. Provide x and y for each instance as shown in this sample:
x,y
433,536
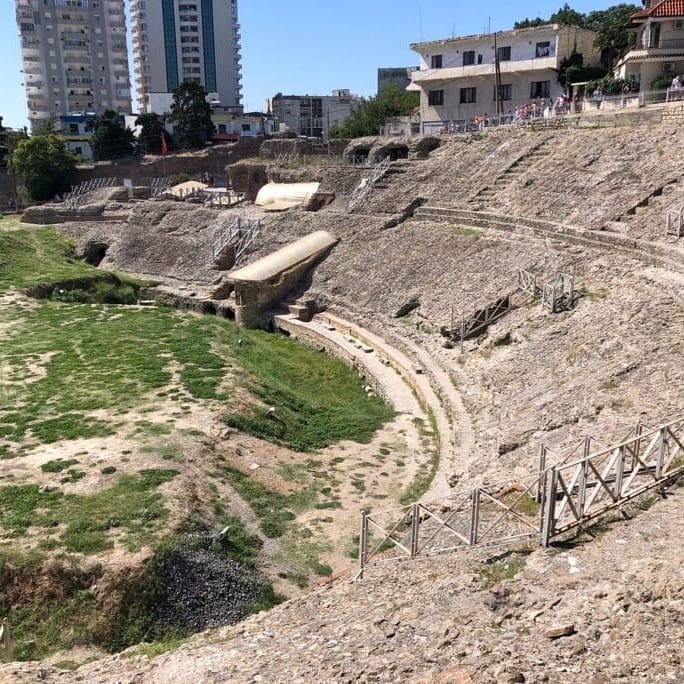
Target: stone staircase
x,y
660,199
511,175
655,253
303,309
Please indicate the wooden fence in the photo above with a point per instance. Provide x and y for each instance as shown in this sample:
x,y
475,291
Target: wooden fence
x,y
542,506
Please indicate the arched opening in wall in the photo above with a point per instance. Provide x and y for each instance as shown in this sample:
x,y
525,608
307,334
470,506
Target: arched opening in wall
x,y
225,312
359,155
94,252
398,152
425,146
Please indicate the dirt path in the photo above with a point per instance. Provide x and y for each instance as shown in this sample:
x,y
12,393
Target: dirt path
x,y
403,377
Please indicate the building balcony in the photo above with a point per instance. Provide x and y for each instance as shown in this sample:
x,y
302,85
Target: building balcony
x,y
659,54
429,76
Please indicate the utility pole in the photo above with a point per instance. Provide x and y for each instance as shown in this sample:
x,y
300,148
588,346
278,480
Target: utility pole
x,y
497,77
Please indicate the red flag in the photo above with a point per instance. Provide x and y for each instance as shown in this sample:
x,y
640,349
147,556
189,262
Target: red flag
x,y
164,146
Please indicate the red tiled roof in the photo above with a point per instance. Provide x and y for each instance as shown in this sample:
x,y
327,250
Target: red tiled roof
x,y
665,8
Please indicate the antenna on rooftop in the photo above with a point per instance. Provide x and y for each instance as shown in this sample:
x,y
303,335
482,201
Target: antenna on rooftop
x,y
420,20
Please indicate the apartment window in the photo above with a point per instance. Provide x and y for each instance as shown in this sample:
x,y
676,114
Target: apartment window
x,y
504,53
436,98
506,92
436,62
468,95
468,57
540,89
543,49
73,129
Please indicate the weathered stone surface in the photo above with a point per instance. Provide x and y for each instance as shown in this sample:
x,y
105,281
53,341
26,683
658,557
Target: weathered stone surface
x,y
558,631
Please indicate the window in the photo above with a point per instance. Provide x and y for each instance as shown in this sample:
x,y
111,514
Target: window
x,y
245,128
543,49
468,95
436,98
73,129
540,89
504,54
222,128
436,62
468,57
506,92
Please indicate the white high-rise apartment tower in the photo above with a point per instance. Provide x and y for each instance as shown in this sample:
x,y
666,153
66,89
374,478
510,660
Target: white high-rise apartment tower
x,y
74,56
179,40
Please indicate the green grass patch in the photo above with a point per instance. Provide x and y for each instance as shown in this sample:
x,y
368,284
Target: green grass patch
x,y
274,510
33,256
58,465
99,358
299,556
318,401
492,572
131,508
464,231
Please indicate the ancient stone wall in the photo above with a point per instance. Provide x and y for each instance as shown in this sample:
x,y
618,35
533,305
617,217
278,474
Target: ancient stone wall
x,y
213,160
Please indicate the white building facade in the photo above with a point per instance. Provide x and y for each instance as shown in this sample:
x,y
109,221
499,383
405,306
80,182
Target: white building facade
x,y
659,49
457,76
313,115
74,55
179,40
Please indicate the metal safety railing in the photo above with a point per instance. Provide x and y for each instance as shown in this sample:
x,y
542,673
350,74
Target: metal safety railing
x,y
579,492
547,503
491,515
73,197
361,194
241,234
674,220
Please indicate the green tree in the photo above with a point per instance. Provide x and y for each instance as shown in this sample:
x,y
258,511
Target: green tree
x,y
151,133
372,114
613,38
572,70
191,115
45,165
111,139
568,17
529,23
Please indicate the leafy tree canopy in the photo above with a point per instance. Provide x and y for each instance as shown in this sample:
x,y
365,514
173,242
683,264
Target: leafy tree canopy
x,y
111,139
191,114
45,165
613,38
151,133
372,114
572,70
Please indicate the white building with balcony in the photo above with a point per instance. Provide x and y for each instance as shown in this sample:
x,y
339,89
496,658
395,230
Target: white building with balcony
x,y
75,58
659,49
457,76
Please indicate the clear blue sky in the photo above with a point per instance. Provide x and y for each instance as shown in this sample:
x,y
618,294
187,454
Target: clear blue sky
x,y
315,46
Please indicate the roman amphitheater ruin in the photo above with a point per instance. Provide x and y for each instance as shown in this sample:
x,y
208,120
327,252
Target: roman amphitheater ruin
x,y
517,296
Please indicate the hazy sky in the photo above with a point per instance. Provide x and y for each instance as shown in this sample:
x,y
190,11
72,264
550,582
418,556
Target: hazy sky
x,y
315,46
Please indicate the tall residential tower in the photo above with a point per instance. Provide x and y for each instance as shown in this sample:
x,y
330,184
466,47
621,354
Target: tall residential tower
x,y
178,40
74,56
